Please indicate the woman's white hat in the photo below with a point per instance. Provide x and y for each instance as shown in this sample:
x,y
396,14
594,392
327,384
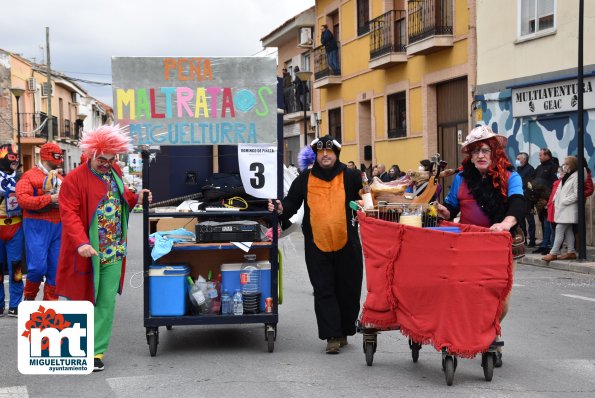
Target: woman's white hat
x,y
480,133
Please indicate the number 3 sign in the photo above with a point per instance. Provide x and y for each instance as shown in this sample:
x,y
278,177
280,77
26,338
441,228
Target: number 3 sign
x,y
258,169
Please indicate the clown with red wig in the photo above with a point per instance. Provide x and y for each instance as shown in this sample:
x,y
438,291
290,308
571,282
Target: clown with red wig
x,y
94,206
487,191
37,193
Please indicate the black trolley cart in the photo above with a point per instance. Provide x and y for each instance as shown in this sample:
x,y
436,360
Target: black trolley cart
x,y
199,254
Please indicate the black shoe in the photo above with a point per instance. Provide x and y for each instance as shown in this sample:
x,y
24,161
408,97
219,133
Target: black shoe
x,y
98,365
1,311
14,312
539,250
498,363
532,244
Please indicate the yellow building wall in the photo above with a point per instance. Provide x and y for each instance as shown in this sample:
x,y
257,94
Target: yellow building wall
x,y
416,123
461,17
405,153
349,123
379,118
349,152
360,81
348,27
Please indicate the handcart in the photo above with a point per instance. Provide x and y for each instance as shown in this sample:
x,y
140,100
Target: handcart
x,y
442,286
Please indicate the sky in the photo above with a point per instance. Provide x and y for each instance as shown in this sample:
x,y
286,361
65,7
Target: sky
x,y
85,35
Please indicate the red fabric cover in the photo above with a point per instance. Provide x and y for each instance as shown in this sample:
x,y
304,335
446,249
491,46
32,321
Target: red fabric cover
x,y
439,288
80,195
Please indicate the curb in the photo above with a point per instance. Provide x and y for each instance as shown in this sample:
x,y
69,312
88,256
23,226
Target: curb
x,y
586,267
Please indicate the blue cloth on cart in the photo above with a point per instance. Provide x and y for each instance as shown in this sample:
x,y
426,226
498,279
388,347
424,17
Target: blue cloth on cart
x,y
164,241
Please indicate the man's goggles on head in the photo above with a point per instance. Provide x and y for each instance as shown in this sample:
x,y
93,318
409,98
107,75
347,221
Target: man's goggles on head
x,y
57,156
317,144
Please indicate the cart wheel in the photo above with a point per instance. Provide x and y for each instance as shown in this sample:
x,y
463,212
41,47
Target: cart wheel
x,y
369,350
271,340
487,363
153,340
449,370
169,327
415,347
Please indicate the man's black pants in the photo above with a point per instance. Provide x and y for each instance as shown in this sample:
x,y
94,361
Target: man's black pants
x,y
337,281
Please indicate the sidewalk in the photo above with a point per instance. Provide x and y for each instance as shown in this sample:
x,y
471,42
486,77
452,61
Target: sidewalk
x,y
584,267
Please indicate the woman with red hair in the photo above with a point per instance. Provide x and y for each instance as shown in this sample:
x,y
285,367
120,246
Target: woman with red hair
x,y
487,191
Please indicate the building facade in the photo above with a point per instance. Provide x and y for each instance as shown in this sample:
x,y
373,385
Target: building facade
x,y
294,43
527,78
72,109
407,76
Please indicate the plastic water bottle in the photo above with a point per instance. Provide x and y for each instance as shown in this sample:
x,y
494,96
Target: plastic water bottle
x,y
250,275
238,305
214,298
226,306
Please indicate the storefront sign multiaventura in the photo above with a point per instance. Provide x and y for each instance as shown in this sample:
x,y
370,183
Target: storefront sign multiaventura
x,y
552,98
196,101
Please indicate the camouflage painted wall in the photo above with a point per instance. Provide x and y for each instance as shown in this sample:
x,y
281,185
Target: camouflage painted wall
x,y
557,132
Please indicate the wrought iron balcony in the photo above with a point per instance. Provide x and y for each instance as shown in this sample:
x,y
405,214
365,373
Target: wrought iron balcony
x,y
388,39
323,74
431,22
292,98
30,125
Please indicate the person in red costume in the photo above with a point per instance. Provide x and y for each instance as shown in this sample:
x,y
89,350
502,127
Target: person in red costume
x,y
37,194
94,206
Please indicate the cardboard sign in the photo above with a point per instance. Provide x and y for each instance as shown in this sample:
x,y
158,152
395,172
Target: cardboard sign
x,y
258,169
196,100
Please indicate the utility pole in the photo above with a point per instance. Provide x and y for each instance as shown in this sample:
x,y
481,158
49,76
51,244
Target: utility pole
x,y
582,231
49,73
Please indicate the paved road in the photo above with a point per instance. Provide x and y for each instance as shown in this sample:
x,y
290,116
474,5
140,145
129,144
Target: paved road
x,y
549,350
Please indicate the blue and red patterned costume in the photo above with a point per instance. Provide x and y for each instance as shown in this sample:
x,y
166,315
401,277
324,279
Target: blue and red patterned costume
x,y
41,224
11,231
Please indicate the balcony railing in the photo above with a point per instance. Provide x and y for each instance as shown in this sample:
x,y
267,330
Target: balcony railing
x,y
321,67
31,121
388,34
293,98
429,18
66,128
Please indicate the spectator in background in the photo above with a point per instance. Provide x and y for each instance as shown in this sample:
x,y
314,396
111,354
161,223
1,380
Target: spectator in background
x,y
545,175
565,211
37,193
527,173
288,96
394,172
11,231
301,90
330,45
351,165
382,174
375,172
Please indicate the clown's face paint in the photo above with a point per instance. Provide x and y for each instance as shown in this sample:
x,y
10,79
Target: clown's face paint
x,y
103,163
326,158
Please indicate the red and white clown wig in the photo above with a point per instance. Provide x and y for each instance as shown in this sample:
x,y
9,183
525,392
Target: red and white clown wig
x,y
105,139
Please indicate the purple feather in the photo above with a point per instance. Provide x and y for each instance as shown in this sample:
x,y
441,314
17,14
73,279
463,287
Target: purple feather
x,y
306,158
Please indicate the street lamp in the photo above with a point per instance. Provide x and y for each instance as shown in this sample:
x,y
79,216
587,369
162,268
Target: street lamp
x,y
304,76
18,93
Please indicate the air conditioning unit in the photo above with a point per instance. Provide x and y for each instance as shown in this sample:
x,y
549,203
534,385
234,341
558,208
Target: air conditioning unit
x,y
32,84
305,38
45,89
